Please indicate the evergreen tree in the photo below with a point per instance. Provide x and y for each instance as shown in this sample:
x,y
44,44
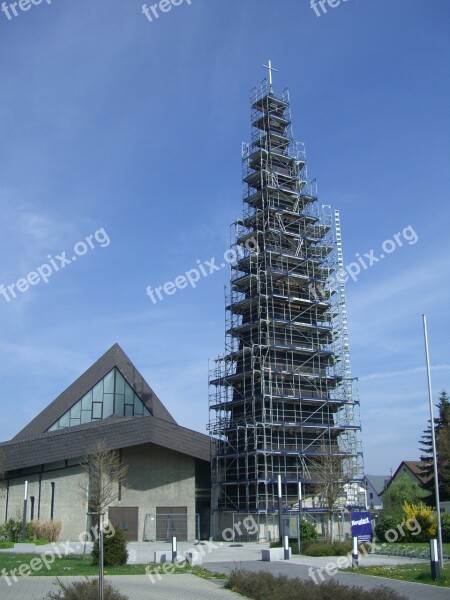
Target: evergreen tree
x,y
442,432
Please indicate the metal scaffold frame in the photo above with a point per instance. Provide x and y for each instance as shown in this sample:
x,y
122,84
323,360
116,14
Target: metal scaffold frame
x,y
282,395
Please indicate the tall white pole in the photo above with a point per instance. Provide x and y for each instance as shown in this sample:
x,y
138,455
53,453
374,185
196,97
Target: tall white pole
x,y
24,514
433,438
300,498
280,509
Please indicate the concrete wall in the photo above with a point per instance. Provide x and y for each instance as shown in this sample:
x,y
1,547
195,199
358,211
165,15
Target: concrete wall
x,y
156,477
69,506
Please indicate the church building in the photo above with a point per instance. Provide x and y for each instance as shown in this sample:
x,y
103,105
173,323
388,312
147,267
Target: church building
x,y
167,487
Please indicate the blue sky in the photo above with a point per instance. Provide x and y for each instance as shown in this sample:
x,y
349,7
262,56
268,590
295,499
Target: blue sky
x,y
110,121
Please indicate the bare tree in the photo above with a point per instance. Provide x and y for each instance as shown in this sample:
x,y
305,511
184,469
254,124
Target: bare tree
x,y
103,475
333,470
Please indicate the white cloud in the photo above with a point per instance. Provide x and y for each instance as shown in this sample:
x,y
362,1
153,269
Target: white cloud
x,y
403,373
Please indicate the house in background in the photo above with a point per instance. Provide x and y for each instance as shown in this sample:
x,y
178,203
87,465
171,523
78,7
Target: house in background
x,y
374,485
412,469
167,488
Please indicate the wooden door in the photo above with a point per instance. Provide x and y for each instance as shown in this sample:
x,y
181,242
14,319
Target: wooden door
x,y
127,518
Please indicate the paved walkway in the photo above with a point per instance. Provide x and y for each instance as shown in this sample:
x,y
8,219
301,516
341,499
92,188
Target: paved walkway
x,y
217,552
222,557
295,568
136,587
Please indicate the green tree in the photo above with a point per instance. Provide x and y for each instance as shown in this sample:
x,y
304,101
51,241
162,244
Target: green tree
x,y
442,432
115,550
399,491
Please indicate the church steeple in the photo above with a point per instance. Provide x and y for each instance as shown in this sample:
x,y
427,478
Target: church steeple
x,y
281,396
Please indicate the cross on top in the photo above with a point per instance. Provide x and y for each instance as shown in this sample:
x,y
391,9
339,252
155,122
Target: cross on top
x,y
270,68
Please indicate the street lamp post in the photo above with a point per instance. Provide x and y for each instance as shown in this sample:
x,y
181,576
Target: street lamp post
x,y
300,497
280,509
24,514
101,574
433,438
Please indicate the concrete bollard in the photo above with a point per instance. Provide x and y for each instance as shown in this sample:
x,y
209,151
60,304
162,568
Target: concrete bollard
x,y
286,548
355,555
174,549
434,560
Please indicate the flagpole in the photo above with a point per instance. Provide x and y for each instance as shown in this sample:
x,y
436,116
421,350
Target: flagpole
x,y
433,438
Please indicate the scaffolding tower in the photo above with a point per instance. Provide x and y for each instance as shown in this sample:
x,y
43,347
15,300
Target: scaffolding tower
x,y
282,397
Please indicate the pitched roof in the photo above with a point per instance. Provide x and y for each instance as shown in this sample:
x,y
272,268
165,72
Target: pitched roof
x,y
118,432
114,357
378,482
415,466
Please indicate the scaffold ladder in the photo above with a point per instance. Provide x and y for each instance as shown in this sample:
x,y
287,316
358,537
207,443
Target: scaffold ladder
x,y
342,296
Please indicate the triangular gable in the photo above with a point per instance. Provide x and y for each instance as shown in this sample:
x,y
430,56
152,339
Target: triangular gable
x,y
112,396
115,357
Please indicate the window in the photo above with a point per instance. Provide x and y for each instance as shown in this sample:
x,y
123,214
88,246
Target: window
x,y
32,508
52,503
110,396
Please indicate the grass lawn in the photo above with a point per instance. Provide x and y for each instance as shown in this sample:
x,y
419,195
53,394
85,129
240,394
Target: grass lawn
x,y
9,545
74,565
418,573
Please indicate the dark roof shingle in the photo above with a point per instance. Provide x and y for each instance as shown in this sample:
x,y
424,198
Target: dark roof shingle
x,y
74,442
114,357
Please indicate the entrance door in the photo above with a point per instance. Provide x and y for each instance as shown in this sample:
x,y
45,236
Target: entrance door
x,y
127,519
171,521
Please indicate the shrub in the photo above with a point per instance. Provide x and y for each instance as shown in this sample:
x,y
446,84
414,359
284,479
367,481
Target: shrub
x,y
425,517
115,551
84,590
12,531
308,533
384,524
48,530
307,530
446,527
264,586
326,549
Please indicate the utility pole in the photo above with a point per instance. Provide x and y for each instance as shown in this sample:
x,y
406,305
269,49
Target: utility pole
x,y
280,509
433,438
24,517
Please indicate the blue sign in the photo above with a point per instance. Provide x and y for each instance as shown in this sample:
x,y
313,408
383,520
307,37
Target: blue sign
x,y
361,526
